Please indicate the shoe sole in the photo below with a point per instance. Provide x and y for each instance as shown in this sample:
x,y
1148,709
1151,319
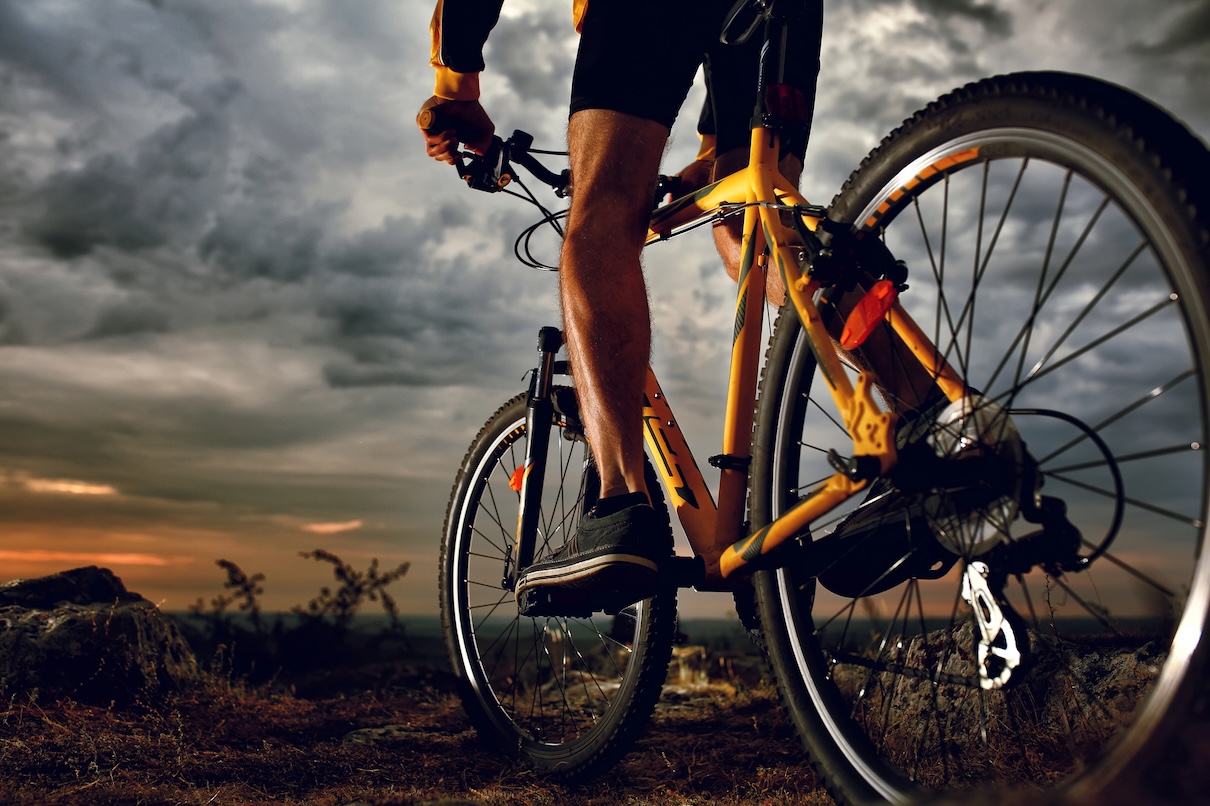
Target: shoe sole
x,y
585,569
607,582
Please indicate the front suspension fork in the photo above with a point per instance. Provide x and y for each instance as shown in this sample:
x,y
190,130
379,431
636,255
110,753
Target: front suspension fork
x,y
527,480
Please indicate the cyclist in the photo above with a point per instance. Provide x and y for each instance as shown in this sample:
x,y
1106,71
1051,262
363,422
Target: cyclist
x,y
635,65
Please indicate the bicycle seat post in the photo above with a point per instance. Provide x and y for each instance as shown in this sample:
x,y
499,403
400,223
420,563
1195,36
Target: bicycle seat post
x,y
773,55
779,106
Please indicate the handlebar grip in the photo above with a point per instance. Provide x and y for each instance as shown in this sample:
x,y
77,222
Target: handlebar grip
x,y
430,121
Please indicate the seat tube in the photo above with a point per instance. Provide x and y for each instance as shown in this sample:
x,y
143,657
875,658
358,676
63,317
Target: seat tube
x,y
539,416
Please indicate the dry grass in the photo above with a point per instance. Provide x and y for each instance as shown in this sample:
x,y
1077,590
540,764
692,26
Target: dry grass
x,y
719,744
396,734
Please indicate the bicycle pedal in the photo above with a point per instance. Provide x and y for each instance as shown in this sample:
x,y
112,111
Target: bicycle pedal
x,y
537,603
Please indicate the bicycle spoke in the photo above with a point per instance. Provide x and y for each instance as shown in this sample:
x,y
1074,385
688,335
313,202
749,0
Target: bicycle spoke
x,y
1041,301
889,699
828,414
1027,327
1167,513
1083,314
1130,457
487,586
589,674
510,637
1133,406
1095,611
863,692
493,513
546,682
1040,371
1067,294
938,268
981,262
1135,572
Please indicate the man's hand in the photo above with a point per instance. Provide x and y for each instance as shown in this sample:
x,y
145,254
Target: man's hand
x,y
463,122
694,176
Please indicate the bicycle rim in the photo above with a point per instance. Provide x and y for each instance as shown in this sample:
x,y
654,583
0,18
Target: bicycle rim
x,y
1060,275
568,695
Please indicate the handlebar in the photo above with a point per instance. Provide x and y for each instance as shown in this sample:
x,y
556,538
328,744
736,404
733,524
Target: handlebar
x,y
492,170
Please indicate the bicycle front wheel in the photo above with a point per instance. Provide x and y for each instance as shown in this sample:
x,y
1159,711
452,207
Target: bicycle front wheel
x,y
1039,626
566,695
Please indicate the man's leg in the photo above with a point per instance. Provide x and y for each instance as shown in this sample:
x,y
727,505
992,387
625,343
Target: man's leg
x,y
615,158
615,556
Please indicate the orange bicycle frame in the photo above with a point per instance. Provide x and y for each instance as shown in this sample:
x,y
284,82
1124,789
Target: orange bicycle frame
x,y
716,531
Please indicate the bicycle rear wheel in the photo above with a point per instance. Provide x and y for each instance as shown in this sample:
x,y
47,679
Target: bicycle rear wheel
x,y
566,695
1057,239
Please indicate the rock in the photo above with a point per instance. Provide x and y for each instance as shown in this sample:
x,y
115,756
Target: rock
x,y
385,735
81,634
81,586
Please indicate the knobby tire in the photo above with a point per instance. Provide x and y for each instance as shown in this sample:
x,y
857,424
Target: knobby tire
x,y
1063,271
567,696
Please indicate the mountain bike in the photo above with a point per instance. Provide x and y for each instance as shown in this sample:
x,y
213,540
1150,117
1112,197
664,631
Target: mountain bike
x,y
960,502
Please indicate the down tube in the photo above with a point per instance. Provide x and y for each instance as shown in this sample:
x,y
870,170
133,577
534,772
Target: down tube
x,y
682,478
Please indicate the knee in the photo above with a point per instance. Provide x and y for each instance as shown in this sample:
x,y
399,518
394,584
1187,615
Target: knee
x,y
614,162
612,208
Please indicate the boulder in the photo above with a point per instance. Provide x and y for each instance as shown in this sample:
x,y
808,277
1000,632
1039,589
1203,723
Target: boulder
x,y
81,634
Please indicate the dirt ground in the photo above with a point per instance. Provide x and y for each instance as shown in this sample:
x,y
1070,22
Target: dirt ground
x,y
719,744
397,735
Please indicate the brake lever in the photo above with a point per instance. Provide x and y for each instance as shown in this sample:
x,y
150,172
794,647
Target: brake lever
x,y
489,171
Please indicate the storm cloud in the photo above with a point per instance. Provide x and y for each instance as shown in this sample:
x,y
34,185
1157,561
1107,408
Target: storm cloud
x,y
235,293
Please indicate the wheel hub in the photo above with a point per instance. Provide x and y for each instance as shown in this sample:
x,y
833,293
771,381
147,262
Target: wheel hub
x,y
975,517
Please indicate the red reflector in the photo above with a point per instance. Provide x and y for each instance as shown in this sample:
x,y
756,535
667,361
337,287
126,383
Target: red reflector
x,y
787,102
867,314
518,476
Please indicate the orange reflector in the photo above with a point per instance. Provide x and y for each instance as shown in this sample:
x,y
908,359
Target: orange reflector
x,y
514,483
867,314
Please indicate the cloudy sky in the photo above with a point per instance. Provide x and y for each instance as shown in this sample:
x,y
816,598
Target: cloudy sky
x,y
242,316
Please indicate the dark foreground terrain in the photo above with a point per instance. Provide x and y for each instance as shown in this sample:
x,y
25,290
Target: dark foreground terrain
x,y
394,733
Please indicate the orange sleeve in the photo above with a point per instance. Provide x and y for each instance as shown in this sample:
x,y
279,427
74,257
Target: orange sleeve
x,y
459,29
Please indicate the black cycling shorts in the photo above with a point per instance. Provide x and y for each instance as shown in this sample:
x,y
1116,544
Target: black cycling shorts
x,y
640,57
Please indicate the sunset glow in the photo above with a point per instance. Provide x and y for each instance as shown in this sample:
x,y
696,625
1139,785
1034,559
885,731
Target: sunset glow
x,y
90,558
331,528
67,486
226,334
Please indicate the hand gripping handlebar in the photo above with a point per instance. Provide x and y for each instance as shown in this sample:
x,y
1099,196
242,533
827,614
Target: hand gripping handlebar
x,y
492,170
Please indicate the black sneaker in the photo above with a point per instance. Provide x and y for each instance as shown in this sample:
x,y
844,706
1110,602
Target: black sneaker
x,y
611,562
